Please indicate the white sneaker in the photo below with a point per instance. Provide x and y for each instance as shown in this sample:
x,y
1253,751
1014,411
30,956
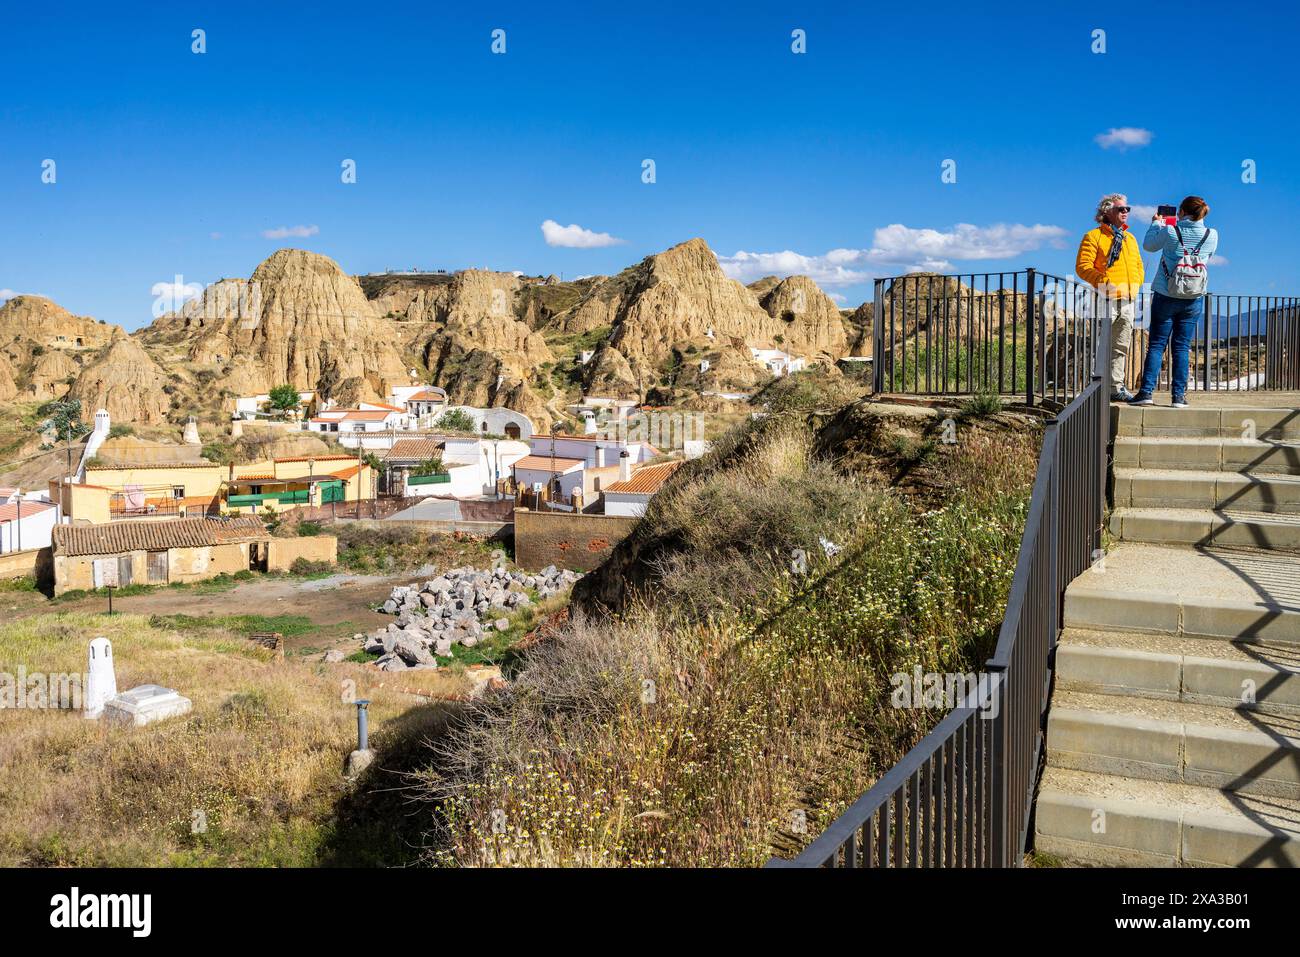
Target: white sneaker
x,y
1179,403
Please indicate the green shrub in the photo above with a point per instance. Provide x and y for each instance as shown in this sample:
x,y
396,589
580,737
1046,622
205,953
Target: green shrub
x,y
308,529
305,567
982,404
456,420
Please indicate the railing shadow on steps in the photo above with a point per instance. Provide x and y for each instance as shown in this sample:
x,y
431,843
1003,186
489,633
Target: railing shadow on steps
x,y
963,796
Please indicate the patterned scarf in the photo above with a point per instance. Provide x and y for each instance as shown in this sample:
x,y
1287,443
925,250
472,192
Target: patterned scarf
x,y
1116,245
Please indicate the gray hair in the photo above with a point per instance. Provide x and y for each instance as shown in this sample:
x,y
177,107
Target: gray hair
x,y
1106,202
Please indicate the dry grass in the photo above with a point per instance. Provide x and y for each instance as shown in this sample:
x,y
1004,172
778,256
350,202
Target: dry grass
x,y
770,703
260,756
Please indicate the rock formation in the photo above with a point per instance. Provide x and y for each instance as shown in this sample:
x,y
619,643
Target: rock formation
x,y
126,382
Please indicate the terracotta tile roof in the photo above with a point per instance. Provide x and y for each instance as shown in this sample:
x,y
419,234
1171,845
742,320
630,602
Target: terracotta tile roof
x,y
647,479
116,538
359,415
385,405
543,463
319,458
428,395
253,478
10,512
346,473
418,449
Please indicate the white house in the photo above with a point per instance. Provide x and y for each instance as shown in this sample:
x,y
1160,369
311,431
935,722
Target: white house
x,y
776,362
421,403
472,466
594,451
25,523
381,419
629,496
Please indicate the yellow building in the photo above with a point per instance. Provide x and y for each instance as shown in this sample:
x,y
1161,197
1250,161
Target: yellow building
x,y
197,489
300,481
184,550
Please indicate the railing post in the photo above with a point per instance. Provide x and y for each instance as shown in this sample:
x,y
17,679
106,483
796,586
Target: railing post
x,y
878,340
1031,354
999,826
1205,375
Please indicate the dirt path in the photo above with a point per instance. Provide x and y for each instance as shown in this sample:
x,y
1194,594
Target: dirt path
x,y
338,605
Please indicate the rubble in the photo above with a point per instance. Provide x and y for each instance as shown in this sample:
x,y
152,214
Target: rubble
x,y
458,607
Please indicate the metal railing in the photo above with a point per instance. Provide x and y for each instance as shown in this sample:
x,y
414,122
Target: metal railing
x,y
963,796
1032,333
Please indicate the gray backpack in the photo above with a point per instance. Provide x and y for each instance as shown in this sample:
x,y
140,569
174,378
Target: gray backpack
x,y
1190,278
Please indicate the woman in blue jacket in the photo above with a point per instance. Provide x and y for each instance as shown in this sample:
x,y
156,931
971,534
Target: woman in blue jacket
x,y
1191,243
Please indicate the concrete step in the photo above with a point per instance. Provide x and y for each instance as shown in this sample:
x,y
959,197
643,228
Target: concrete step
x,y
1159,740
1204,527
1262,677
1204,454
1239,595
1101,819
1240,423
1194,488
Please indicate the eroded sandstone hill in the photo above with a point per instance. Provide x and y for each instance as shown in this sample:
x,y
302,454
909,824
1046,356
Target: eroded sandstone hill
x,y
672,325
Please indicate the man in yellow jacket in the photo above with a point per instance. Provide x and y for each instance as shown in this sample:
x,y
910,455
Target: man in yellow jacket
x,y
1110,260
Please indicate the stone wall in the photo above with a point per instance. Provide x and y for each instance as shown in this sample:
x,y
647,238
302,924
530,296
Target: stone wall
x,y
315,548
565,539
21,564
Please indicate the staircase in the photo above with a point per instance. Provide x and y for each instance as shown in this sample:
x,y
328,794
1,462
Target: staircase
x,y
1174,732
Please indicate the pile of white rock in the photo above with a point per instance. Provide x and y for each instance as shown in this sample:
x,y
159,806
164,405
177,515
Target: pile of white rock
x,y
459,607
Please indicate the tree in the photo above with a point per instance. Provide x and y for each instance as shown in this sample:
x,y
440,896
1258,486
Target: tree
x,y
62,423
456,420
431,466
284,399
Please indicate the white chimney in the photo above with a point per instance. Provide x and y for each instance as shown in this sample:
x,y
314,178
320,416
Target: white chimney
x,y
102,423
101,683
589,420
600,456
624,466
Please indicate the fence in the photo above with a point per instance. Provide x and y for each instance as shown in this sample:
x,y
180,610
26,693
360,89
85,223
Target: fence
x,y
1032,333
963,796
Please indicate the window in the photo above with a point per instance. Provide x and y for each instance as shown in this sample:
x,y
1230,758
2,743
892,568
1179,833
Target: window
x,y
178,491
255,490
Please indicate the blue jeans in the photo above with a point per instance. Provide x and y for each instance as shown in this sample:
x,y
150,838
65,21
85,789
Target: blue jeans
x,y
1176,318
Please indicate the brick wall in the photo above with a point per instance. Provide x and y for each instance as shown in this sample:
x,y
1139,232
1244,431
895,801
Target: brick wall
x,y
565,539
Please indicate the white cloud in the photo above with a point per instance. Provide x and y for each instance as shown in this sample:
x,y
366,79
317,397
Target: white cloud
x,y
574,236
284,232
214,235
1141,214
896,247
1217,260
1123,137
170,296
6,295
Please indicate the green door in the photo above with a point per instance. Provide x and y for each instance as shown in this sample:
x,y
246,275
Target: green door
x,y
331,492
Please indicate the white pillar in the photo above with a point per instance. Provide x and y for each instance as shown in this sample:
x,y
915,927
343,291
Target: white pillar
x,y
101,679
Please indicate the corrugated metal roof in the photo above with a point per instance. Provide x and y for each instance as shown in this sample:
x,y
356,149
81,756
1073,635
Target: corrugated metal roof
x,y
646,479
115,538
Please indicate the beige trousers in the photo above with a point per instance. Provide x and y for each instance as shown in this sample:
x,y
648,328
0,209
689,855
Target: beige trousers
x,y
1121,313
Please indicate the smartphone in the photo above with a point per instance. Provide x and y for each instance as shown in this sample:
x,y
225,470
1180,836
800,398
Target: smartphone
x,y
1168,213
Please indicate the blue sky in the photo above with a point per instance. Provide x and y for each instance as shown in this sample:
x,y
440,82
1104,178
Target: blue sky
x,y
170,163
